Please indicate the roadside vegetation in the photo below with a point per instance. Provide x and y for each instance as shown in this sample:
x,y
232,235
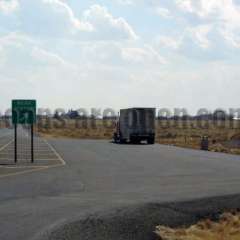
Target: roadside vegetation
x,y
224,136
227,228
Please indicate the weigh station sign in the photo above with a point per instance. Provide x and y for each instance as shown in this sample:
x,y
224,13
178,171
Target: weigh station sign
x,y
24,112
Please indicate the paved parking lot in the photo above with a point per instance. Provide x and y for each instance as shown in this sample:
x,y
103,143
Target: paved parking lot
x,y
45,155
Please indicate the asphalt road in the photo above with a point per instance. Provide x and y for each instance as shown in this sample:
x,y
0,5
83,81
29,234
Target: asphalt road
x,y
100,175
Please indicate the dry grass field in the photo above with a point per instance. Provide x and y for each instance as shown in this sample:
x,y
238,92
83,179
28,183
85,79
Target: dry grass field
x,y
227,228
82,129
224,136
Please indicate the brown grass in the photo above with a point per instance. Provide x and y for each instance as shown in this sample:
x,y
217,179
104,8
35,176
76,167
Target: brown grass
x,y
79,129
189,134
228,228
177,133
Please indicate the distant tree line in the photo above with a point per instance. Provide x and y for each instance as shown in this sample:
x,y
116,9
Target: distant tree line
x,y
216,115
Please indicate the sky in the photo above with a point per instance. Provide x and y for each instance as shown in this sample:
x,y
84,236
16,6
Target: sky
x,y
121,53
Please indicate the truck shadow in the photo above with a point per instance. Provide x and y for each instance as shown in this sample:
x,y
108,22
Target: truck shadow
x,y
130,143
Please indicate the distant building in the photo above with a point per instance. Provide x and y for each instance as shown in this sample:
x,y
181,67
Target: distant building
x,y
73,114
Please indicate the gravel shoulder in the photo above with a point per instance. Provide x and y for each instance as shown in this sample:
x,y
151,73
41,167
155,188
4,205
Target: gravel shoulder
x,y
138,222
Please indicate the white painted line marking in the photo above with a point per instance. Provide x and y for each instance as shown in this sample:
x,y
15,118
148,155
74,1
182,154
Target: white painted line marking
x,y
23,172
20,167
53,159
56,153
26,160
6,145
34,168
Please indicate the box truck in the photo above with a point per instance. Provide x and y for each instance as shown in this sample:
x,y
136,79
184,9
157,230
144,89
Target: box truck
x,y
135,125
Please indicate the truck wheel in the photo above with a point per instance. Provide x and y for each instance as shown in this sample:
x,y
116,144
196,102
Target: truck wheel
x,y
151,141
122,141
135,140
115,138
132,140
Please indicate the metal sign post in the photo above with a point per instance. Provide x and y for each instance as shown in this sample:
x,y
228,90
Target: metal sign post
x,y
32,146
24,112
15,143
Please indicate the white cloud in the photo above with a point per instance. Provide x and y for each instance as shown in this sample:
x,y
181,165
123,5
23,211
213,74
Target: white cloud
x,y
199,35
107,26
169,42
33,68
232,38
117,55
49,18
59,7
226,10
185,5
224,15
55,18
163,12
27,69
20,52
145,56
8,6
125,2
46,57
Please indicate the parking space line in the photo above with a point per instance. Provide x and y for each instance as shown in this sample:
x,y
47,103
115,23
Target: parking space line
x,y
31,169
56,153
6,145
36,169
2,155
22,160
44,160
19,167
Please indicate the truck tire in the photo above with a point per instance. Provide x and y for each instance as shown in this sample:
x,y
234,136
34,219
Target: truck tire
x,y
135,140
115,138
122,141
151,141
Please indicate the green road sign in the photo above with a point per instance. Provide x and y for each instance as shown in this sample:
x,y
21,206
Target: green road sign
x,y
23,111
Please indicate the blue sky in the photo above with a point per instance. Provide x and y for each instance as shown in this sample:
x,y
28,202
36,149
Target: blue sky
x,y
120,53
